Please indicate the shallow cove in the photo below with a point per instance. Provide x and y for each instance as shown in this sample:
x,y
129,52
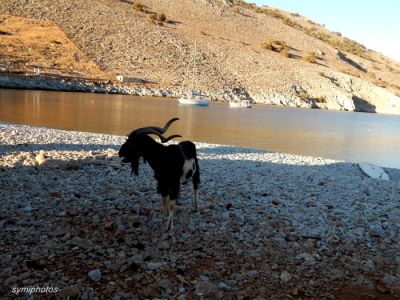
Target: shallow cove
x,y
337,135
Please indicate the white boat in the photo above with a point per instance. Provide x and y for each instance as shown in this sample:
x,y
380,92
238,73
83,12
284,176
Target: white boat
x,y
373,171
240,104
193,97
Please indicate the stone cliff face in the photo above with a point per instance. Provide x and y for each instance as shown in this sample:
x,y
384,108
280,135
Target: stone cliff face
x,y
234,56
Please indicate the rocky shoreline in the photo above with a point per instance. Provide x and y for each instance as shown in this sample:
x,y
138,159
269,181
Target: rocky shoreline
x,y
271,225
75,84
347,102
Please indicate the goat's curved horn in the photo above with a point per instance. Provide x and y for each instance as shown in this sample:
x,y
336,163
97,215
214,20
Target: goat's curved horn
x,y
165,128
164,140
150,130
153,129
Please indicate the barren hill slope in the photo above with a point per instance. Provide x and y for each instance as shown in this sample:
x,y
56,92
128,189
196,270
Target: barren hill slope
x,y
26,44
271,56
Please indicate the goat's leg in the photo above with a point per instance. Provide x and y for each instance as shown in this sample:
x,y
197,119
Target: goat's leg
x,y
164,203
196,182
162,188
174,192
196,197
171,211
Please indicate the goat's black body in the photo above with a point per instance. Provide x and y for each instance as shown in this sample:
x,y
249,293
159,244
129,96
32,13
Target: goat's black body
x,y
172,164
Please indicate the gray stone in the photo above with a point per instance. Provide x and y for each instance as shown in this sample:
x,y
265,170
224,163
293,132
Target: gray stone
x,y
286,276
307,258
223,286
207,290
152,266
94,275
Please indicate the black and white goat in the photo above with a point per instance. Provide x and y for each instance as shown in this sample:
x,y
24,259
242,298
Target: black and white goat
x,y
173,165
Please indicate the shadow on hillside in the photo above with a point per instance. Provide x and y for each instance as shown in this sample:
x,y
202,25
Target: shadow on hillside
x,y
351,62
293,48
321,64
362,105
294,56
242,13
331,79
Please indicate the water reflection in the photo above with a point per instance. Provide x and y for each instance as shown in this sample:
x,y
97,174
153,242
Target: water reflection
x,y
338,135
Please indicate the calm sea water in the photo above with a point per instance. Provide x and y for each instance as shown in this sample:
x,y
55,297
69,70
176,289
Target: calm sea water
x,y
338,135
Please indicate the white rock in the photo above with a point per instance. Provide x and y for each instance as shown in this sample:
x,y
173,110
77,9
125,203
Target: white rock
x,y
40,158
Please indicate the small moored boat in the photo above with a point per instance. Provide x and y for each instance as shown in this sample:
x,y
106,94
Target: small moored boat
x,y
240,104
193,97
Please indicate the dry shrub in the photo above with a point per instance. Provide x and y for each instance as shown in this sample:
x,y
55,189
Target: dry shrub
x,y
274,45
138,6
303,96
320,99
311,57
161,17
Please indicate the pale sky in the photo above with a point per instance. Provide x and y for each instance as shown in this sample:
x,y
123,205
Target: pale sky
x,y
375,24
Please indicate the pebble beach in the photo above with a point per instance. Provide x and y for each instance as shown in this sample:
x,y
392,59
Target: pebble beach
x,y
270,226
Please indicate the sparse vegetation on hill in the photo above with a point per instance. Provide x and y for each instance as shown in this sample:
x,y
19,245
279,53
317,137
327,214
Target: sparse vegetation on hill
x,y
320,99
303,96
138,6
274,45
311,57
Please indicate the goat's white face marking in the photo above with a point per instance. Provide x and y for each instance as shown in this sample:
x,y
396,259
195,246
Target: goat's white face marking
x,y
189,167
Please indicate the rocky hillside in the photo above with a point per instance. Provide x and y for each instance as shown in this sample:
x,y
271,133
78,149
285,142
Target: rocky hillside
x,y
243,51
